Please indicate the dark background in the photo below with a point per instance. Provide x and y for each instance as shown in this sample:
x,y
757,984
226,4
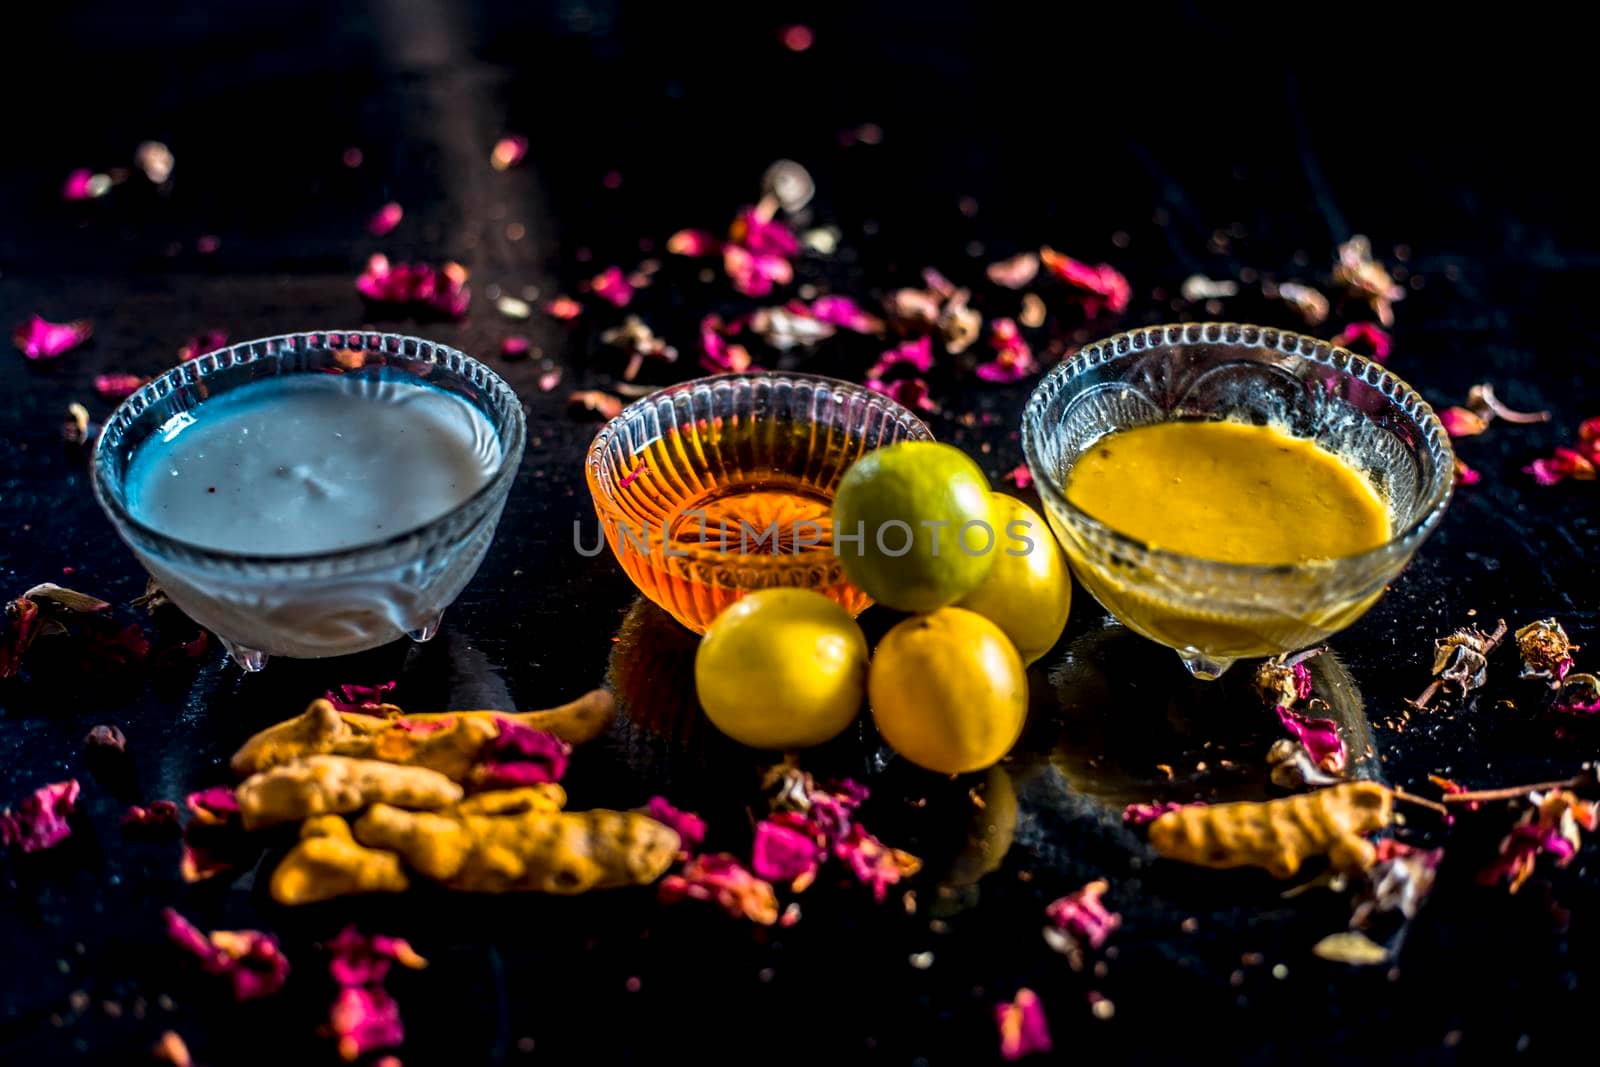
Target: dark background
x,y
1215,141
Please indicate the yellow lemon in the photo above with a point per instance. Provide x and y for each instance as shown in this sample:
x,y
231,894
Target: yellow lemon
x,y
948,691
1028,591
781,668
913,525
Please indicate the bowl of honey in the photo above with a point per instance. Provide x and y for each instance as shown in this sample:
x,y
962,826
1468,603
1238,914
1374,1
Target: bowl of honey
x,y
1234,491
720,486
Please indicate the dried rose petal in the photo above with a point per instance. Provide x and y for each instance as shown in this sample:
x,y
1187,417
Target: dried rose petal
x,y
39,339
216,806
693,243
872,862
84,184
1023,1029
755,274
209,341
907,392
160,817
549,380
783,853
1144,814
171,1050
39,821
250,959
1102,280
1033,313
117,386
717,353
21,625
640,342
386,219
1310,303
416,286
1564,464
1375,338
362,959
515,347
1546,651
1014,360
352,697
1320,737
1551,826
845,313
1081,915
508,151
1020,476
1016,272
563,308
363,1020
156,160
917,353
596,402
1574,689
762,235
1462,422
106,736
1368,279
690,828
520,755
720,879
612,286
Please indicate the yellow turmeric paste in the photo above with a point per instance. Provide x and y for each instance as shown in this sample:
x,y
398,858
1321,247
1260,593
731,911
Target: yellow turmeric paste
x,y
1229,492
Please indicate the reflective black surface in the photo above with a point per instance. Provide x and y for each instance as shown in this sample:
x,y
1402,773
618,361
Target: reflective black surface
x,y
1203,144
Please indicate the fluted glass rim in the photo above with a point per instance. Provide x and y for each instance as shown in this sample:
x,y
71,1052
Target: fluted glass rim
x,y
601,488
1349,365
406,544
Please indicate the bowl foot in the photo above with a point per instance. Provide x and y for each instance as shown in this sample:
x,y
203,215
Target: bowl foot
x,y
250,659
426,631
1204,667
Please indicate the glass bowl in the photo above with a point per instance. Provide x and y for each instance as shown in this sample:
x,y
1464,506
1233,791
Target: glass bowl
x,y
1214,613
724,485
333,603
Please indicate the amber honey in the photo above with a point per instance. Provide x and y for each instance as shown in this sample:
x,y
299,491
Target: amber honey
x,y
708,515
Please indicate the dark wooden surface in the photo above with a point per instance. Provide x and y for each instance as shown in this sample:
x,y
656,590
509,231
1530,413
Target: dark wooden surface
x,y
1213,146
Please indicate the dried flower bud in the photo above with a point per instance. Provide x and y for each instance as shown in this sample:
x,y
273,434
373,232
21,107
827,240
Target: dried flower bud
x,y
1292,767
1546,651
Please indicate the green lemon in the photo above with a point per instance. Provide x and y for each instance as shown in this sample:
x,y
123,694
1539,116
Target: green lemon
x,y
782,669
1028,591
913,525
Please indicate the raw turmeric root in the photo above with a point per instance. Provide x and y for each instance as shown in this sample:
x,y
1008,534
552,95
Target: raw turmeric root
x,y
318,785
545,797
327,863
551,852
1279,835
447,742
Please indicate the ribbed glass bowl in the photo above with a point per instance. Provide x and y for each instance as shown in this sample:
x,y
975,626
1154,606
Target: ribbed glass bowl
x,y
1213,613
332,603
721,486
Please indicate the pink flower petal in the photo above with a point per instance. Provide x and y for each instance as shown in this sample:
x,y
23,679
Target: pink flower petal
x,y
213,807
1103,281
1373,336
1020,476
201,344
1319,737
1014,359
755,274
907,392
717,353
1016,272
693,243
720,879
352,697
762,236
1565,463
1462,422
416,287
362,959
1023,1028
549,380
612,286
117,386
364,1020
520,756
783,853
508,151
691,828
872,862
1144,814
563,308
39,339
85,184
251,960
845,313
918,354
1082,915
39,821
1465,475
515,347
160,817
387,218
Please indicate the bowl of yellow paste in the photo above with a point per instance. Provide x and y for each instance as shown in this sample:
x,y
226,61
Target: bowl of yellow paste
x,y
1234,491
